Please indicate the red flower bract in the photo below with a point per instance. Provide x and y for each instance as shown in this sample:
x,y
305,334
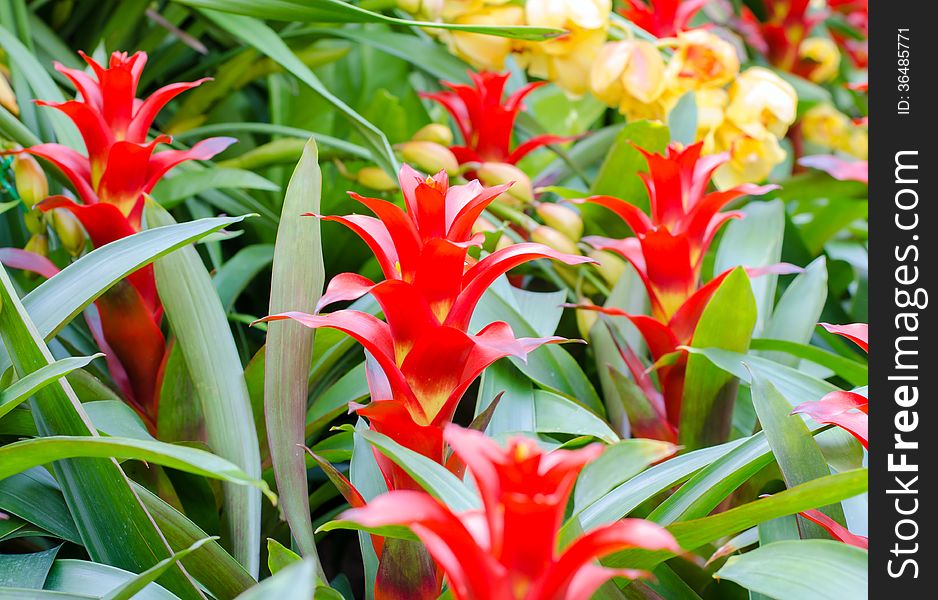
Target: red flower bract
x,y
662,18
847,410
119,168
508,550
486,121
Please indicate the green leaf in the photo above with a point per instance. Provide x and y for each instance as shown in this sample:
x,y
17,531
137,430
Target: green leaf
x,y
617,464
550,366
726,322
233,277
26,454
801,570
296,285
171,191
69,576
26,571
35,497
798,310
755,241
337,11
557,414
99,496
18,392
433,477
198,320
140,582
693,534
257,34
43,87
795,450
279,557
682,120
57,301
854,372
293,582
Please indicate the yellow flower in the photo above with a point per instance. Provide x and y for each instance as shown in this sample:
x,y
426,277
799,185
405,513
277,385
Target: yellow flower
x,y
631,76
566,60
701,59
760,99
858,143
485,52
751,156
711,110
823,58
825,126
7,97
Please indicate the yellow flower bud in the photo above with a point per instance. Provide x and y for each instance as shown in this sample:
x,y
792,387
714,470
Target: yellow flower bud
x,y
858,143
485,52
562,218
38,244
31,182
8,97
701,59
610,266
496,173
760,99
627,74
429,157
825,126
434,132
711,110
376,178
752,157
69,230
823,56
34,222
585,321
552,238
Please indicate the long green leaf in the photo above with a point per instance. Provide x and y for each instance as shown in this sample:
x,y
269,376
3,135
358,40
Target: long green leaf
x,y
18,392
26,454
137,584
97,491
69,577
296,285
336,11
802,570
204,337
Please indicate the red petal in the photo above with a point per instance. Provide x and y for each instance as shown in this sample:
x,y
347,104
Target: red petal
x,y
627,533
374,233
125,175
73,165
147,111
481,276
858,333
534,143
835,529
635,218
847,410
670,269
166,160
471,572
344,287
84,84
401,229
95,131
590,577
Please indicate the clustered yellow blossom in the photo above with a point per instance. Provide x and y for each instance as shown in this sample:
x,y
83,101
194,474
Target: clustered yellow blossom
x,y
821,57
825,126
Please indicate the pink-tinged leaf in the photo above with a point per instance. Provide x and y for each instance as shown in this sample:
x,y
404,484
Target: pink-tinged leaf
x,y
847,410
25,260
835,529
838,168
858,333
345,487
406,571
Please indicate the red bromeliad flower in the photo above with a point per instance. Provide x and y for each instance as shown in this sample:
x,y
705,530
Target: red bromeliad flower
x,y
667,252
835,529
508,550
485,121
424,355
857,15
847,410
779,36
662,18
670,244
119,168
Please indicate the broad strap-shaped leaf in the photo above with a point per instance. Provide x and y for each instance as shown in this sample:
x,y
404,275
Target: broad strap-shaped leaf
x,y
296,284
